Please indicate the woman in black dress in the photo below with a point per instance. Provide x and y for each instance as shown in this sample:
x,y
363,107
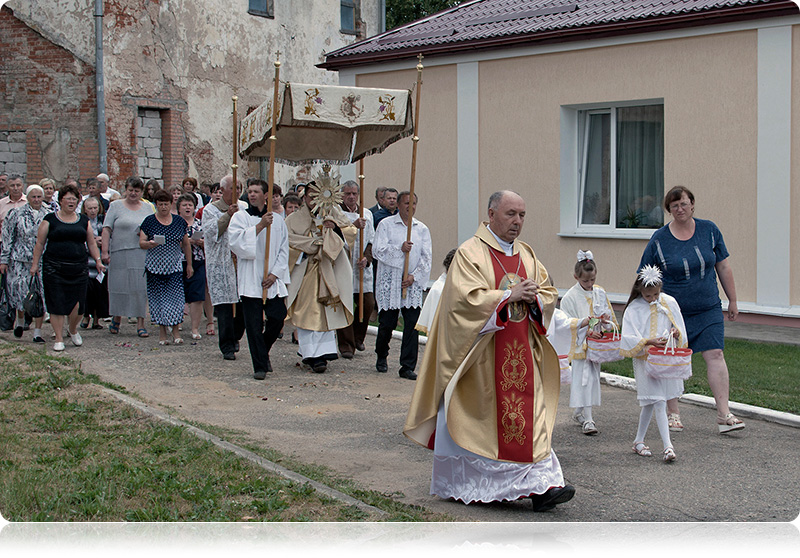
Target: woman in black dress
x,y
66,235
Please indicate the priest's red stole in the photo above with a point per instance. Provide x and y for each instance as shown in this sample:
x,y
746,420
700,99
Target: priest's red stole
x,y
514,367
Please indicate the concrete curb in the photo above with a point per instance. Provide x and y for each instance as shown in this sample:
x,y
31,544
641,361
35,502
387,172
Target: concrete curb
x,y
250,456
740,409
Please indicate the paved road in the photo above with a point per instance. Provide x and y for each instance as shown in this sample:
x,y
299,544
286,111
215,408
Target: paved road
x,y
351,419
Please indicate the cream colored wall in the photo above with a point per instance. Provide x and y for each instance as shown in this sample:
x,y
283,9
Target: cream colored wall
x,y
435,177
795,201
710,138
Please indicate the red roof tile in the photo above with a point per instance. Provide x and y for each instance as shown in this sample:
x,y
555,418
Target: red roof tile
x,y
485,24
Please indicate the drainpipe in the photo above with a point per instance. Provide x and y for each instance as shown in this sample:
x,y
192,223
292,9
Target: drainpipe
x,y
101,102
382,8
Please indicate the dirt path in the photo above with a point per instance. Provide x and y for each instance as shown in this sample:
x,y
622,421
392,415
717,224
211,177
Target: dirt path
x,y
351,418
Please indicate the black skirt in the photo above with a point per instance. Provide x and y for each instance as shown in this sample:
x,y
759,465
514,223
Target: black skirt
x,y
65,286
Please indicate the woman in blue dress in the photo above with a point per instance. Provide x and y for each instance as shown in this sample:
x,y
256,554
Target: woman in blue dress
x,y
164,237
691,254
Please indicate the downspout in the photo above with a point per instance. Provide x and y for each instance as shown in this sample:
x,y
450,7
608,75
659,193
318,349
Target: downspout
x,y
382,15
101,102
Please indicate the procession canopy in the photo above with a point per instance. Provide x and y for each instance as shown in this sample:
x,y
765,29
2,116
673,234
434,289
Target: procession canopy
x,y
327,123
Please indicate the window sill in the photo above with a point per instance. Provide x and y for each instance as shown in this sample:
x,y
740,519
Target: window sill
x,y
261,14
634,234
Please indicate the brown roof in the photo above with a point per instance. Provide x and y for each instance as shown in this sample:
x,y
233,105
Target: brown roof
x,y
490,24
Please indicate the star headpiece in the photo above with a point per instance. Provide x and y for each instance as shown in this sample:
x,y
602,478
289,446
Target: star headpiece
x,y
325,191
650,275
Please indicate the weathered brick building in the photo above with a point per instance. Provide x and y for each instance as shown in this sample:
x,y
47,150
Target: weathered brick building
x,y
170,69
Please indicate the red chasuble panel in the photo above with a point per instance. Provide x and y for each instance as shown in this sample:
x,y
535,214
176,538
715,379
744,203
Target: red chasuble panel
x,y
513,367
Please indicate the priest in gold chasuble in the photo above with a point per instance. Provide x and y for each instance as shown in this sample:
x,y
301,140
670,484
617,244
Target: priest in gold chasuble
x,y
487,393
320,299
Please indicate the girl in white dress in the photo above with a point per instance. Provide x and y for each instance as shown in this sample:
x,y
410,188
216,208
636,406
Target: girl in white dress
x,y
585,299
650,318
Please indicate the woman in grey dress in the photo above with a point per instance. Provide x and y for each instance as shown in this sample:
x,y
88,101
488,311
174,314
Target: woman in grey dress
x,y
19,238
127,287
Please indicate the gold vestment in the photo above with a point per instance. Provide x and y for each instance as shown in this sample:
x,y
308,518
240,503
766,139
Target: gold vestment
x,y
459,363
321,289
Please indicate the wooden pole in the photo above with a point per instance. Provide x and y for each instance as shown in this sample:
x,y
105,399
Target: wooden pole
x,y
272,141
235,166
414,139
361,240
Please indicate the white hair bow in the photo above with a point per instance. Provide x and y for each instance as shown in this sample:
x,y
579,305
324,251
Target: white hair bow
x,y
650,275
587,255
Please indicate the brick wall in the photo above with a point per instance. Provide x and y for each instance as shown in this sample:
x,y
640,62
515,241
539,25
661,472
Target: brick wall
x,y
48,94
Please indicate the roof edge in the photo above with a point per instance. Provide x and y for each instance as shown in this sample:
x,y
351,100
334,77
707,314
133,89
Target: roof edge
x,y
630,27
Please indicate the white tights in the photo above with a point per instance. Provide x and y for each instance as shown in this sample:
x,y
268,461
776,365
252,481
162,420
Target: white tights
x,y
660,410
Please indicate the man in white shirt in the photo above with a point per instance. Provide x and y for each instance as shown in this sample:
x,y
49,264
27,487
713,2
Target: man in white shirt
x,y
105,190
247,231
390,247
15,199
351,338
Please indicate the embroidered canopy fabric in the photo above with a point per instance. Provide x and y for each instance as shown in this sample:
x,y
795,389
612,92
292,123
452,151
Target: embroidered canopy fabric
x,y
326,123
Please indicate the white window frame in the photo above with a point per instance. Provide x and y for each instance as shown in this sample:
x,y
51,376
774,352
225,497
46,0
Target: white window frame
x,y
573,141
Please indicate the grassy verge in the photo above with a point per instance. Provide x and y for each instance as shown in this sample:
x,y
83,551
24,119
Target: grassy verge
x,y
69,452
761,374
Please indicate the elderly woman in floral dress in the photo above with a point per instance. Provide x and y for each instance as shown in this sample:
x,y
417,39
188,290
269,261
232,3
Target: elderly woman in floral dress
x,y
19,238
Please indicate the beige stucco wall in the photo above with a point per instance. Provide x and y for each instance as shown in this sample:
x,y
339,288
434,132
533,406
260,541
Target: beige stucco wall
x,y
436,172
710,138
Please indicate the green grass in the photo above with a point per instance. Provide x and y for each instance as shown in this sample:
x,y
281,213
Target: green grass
x,y
70,452
761,374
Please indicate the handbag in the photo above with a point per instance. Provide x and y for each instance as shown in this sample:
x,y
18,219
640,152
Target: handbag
x,y
566,369
605,349
669,362
33,303
7,313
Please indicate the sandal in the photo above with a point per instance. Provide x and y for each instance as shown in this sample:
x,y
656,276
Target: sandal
x,y
196,336
675,424
84,324
642,449
163,342
142,332
669,455
177,340
210,330
589,428
114,327
97,326
729,423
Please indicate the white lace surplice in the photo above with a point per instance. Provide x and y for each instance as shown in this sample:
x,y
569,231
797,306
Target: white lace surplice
x,y
220,271
389,236
466,476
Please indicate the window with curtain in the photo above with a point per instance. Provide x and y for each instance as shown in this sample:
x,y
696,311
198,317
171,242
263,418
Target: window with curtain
x,y
621,168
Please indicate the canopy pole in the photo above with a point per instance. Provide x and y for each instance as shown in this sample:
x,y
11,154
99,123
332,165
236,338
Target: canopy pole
x,y
272,140
415,139
234,168
361,240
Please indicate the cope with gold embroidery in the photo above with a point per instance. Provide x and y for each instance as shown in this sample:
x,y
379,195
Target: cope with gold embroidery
x,y
514,367
513,419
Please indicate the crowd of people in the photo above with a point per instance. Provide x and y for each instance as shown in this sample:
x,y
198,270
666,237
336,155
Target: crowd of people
x,y
488,384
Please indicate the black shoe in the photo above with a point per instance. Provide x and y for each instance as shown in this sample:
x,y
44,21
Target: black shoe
x,y
347,354
269,365
229,356
381,365
38,339
294,340
18,332
555,495
280,335
407,374
360,347
259,374
236,347
319,366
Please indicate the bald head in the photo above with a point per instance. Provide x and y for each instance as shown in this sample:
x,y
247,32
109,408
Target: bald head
x,y
506,214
